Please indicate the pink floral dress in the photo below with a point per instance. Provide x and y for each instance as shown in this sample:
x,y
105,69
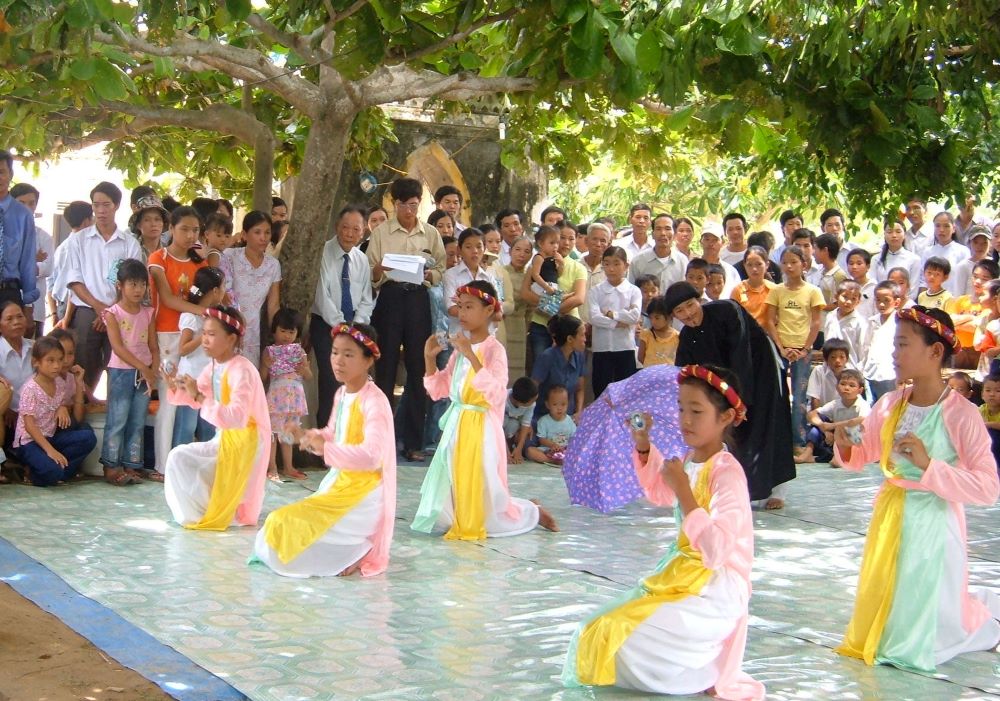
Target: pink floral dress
x,y
286,396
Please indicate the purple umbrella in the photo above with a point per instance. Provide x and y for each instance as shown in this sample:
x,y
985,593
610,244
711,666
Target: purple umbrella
x,y
598,467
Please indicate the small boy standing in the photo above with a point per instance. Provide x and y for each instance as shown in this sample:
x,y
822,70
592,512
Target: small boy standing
x,y
936,272
697,276
990,410
554,429
649,285
716,281
827,250
846,323
521,398
847,410
877,364
822,387
859,263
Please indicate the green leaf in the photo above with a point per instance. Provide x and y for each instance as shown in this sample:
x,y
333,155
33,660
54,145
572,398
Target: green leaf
x,y
680,119
469,61
880,123
78,15
163,67
238,9
648,53
570,11
83,68
584,62
389,13
624,45
587,32
104,9
109,82
924,92
882,152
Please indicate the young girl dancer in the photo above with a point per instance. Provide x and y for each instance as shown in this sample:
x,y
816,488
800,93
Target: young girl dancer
x,y
132,374
207,291
913,608
347,524
212,485
286,365
465,490
683,629
51,450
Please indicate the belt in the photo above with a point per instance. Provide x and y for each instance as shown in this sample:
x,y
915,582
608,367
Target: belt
x,y
407,286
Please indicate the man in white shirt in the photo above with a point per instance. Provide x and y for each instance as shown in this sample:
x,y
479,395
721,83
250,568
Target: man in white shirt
x,y
967,218
661,261
920,235
448,198
734,225
639,217
790,223
712,240
343,268
832,222
510,224
598,240
92,259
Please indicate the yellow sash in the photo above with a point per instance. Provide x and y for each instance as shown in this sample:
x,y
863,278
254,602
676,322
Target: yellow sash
x,y
293,528
237,448
683,576
467,475
877,581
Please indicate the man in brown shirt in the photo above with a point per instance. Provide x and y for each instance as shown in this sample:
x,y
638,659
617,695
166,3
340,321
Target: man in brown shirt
x,y
402,315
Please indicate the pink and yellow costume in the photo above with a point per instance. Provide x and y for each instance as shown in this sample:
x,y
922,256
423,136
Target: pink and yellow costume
x,y
350,517
682,629
913,607
214,485
465,491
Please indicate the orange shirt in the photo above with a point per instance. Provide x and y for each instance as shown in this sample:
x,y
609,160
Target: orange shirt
x,y
964,305
754,301
180,275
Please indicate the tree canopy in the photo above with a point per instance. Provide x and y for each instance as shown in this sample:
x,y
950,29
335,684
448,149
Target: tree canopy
x,y
859,102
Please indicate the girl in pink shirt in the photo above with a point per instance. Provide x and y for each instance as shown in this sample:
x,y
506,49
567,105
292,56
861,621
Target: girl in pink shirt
x,y
132,373
43,440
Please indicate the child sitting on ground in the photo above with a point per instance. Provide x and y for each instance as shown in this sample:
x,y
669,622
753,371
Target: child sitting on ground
x,y
847,323
658,343
554,429
823,381
847,410
990,411
521,398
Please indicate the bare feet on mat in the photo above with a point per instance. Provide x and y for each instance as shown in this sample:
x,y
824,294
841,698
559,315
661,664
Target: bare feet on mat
x,y
293,474
350,570
774,503
804,455
154,476
545,519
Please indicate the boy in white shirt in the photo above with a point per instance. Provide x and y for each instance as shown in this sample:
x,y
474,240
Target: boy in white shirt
x,y
822,387
847,410
877,366
846,323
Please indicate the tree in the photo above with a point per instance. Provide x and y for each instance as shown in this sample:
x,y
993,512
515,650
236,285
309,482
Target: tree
x,y
863,102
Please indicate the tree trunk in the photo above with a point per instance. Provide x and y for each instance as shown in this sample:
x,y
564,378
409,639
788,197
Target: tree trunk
x,y
263,172
311,223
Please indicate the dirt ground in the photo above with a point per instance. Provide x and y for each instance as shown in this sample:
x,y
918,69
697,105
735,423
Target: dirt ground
x,y
41,659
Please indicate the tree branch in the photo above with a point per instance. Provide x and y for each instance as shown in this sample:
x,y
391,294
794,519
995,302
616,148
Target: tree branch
x,y
333,18
461,36
293,41
656,107
399,82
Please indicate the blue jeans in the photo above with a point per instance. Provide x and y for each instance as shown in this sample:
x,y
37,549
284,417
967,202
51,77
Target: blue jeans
x,y
126,421
539,340
74,443
190,427
799,372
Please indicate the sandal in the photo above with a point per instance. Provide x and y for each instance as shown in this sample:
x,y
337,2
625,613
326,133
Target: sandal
x,y
118,478
154,476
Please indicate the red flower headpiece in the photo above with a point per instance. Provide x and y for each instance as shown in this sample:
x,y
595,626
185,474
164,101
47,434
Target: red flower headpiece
x,y
946,334
231,321
476,292
359,336
724,388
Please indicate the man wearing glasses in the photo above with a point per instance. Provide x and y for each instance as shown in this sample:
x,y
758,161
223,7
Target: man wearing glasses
x,y
402,315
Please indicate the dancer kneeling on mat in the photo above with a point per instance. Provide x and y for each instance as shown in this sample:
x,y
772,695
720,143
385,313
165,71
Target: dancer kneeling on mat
x,y
683,629
213,485
347,524
465,491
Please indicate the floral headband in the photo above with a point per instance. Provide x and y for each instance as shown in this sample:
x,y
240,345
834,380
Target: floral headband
x,y
724,388
476,292
359,336
231,321
946,334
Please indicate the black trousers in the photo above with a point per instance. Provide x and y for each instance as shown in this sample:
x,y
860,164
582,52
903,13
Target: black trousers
x,y
93,349
327,385
611,366
402,317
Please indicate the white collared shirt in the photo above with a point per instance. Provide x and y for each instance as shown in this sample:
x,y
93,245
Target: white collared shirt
x,y
94,262
917,241
504,257
43,242
327,302
624,301
732,257
955,253
732,279
668,270
455,278
14,368
908,260
632,249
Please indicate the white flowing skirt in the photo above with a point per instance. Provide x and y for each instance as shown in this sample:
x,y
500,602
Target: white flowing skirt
x,y
679,648
498,523
190,474
342,545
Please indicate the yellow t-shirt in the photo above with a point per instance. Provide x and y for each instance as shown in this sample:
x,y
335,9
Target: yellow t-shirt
x,y
938,301
987,416
660,349
572,271
795,312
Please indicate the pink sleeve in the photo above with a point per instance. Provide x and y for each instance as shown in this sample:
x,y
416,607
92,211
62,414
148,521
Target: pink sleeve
x,y
973,478
180,398
28,402
657,491
716,533
870,449
368,454
491,380
438,385
237,413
